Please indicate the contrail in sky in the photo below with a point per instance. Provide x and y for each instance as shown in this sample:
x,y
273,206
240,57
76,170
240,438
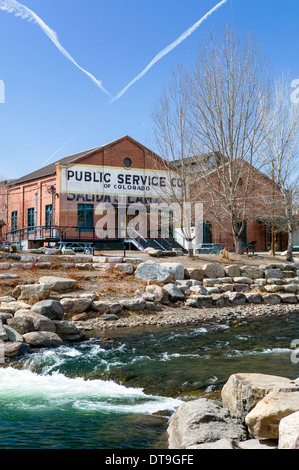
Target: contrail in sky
x,y
169,48
12,6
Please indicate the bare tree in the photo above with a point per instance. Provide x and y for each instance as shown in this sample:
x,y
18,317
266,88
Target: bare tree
x,y
281,153
173,139
228,81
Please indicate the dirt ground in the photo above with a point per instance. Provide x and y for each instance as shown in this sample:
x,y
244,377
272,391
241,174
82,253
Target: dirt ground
x,y
201,260
109,284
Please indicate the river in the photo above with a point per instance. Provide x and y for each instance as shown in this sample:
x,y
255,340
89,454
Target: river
x,y
118,393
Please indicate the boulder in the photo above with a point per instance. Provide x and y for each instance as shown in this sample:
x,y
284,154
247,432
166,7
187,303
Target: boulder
x,y
273,273
39,339
15,306
242,392
109,317
232,270
15,348
252,272
12,334
4,266
68,331
243,280
220,300
49,308
150,270
289,298
74,305
135,305
106,306
241,287
4,316
177,270
126,268
202,300
271,299
253,297
58,284
159,293
236,298
212,270
202,421
199,290
153,252
194,273
26,321
174,292
263,420
31,293
3,334
289,432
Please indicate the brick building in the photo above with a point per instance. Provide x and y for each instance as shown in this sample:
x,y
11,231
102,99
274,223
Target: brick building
x,y
59,202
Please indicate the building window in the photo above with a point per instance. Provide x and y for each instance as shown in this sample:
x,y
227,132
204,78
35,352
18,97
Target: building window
x,y
49,214
14,221
85,216
207,232
30,220
127,162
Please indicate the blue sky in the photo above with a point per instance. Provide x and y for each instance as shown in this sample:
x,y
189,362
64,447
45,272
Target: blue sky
x,y
52,109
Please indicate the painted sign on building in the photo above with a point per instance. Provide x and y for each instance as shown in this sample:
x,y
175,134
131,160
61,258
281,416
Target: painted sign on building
x,y
114,181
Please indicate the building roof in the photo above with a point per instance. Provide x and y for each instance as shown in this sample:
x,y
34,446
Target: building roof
x,y
50,169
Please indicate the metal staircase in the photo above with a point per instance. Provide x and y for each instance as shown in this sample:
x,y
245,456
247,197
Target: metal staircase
x,y
160,243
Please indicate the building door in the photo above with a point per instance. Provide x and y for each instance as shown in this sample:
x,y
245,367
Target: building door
x,y
277,240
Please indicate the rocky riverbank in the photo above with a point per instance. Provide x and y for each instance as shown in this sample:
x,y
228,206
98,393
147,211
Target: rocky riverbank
x,y
256,411
66,304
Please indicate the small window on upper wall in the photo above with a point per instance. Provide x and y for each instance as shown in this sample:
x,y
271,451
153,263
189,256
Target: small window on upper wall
x,y
127,162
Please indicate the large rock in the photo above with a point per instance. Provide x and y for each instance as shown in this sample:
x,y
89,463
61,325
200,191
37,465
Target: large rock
x,y
152,271
74,305
174,292
15,348
160,295
58,284
273,273
213,270
135,305
177,270
194,273
49,308
202,421
242,392
68,331
39,339
271,299
253,272
289,432
232,270
3,334
236,298
31,293
26,321
13,307
263,420
106,306
12,334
